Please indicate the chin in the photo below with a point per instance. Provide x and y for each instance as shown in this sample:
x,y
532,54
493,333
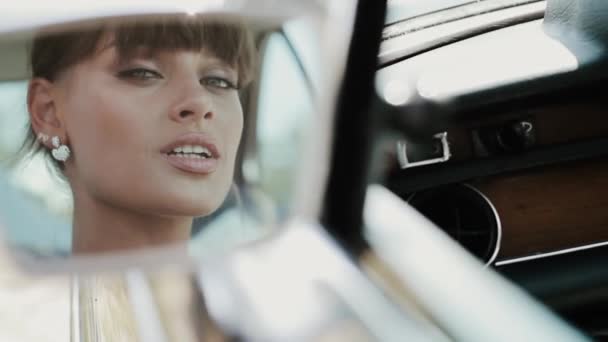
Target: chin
x,y
191,200
194,207
193,211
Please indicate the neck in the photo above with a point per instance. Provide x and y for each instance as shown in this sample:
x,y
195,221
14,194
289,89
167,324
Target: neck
x,y
102,227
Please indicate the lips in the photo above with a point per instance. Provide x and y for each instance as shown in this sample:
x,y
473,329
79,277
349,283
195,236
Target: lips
x,y
193,152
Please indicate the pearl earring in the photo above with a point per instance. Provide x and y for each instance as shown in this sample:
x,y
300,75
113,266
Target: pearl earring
x,y
43,137
60,152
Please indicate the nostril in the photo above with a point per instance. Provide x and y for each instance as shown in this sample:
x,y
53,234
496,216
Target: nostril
x,y
185,113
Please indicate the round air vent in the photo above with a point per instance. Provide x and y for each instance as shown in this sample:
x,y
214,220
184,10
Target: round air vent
x,y
465,214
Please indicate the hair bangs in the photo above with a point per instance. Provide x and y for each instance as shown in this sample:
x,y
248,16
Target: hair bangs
x,y
228,41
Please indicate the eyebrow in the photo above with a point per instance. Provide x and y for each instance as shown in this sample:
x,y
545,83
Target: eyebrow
x,y
148,53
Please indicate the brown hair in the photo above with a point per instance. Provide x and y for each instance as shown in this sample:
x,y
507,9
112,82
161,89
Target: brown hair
x,y
231,42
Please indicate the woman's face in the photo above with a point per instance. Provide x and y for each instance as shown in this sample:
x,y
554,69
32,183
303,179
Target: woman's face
x,y
154,134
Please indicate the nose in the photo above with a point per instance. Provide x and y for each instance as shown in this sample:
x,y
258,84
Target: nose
x,y
192,104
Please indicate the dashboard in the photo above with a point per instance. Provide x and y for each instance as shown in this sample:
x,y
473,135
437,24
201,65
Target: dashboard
x,y
520,182
503,144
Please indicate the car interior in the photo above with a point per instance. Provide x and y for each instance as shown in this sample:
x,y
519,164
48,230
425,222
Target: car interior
x,y
483,119
501,140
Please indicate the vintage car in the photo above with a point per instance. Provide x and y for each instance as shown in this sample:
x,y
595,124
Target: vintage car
x,y
425,171
509,96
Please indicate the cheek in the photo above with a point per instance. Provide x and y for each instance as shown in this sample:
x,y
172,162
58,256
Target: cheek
x,y
107,135
103,122
231,127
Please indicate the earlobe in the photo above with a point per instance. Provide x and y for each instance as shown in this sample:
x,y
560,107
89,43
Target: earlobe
x,y
42,108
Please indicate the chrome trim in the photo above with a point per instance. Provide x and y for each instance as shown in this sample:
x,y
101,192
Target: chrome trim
x,y
238,297
405,44
87,311
449,14
550,254
145,310
498,223
404,162
496,216
75,310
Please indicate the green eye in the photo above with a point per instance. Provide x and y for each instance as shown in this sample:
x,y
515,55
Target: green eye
x,y
139,74
218,82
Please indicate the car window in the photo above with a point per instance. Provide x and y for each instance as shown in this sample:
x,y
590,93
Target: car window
x,y
284,113
43,189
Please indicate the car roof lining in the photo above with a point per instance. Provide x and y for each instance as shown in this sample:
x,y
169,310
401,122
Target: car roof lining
x,y
15,46
574,28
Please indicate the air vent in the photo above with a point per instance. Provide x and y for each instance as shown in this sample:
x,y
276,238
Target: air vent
x,y
465,214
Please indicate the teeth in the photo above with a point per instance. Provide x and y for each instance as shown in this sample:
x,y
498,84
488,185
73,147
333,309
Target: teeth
x,y
190,155
192,149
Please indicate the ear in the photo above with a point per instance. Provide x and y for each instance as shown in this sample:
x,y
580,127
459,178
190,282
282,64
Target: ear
x,y
42,107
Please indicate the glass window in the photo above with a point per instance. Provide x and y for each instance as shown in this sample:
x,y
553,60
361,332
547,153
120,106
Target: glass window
x,y
50,230
284,112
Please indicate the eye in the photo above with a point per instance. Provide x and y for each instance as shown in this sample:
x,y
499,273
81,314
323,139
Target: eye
x,y
218,82
141,74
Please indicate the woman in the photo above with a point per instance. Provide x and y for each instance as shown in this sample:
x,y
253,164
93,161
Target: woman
x,y
143,119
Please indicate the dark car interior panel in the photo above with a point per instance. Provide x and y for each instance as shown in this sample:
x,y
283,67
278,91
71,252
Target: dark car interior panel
x,y
526,186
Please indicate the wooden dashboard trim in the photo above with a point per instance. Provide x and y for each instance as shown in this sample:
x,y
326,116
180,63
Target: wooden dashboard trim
x,y
550,208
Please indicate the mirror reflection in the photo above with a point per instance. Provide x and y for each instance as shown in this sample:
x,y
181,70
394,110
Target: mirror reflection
x,y
144,132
